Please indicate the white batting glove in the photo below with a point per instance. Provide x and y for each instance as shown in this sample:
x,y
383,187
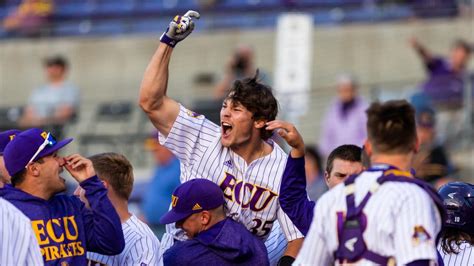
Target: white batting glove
x,y
180,27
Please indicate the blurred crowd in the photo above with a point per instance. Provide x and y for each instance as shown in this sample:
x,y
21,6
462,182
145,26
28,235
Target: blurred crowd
x,y
31,166
36,18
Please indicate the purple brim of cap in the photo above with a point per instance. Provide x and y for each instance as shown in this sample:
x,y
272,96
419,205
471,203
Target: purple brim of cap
x,y
50,150
172,216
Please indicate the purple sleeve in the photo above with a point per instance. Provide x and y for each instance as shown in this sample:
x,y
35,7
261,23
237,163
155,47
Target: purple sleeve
x,y
436,65
102,223
293,197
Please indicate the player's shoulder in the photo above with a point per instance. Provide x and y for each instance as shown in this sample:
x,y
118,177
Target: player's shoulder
x,y
277,151
138,230
276,148
189,113
190,117
391,189
182,252
4,204
330,197
405,190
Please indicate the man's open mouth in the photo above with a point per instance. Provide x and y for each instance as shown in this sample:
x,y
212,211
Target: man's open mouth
x,y
226,128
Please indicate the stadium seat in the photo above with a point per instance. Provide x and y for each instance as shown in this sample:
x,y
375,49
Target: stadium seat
x,y
111,126
9,116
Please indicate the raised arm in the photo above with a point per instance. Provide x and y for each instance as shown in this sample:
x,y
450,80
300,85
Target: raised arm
x,y
160,109
421,50
293,196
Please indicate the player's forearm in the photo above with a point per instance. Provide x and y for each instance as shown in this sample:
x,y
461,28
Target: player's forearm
x,y
155,80
294,247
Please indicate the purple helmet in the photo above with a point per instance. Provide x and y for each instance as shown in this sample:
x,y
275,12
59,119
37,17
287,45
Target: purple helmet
x,y
458,199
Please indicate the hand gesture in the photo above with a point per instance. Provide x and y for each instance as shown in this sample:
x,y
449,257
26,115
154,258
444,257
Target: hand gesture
x,y
79,167
414,42
290,134
180,27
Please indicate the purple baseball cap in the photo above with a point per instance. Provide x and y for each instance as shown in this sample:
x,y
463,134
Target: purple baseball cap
x,y
191,197
6,137
29,146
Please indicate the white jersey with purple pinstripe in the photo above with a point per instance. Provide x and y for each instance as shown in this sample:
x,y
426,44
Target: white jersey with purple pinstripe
x,y
251,190
402,222
141,247
465,255
18,244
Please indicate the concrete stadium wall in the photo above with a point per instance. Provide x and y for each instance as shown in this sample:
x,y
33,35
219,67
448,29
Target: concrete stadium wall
x,y
111,68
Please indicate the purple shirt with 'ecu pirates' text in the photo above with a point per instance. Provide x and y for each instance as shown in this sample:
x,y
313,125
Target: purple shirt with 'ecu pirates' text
x,y
66,229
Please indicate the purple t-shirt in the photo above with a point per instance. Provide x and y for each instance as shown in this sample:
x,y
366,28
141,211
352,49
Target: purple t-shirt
x,y
443,84
66,229
339,127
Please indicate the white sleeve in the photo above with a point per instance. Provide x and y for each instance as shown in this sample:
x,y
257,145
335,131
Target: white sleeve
x,y
289,229
190,136
314,250
416,226
168,239
33,255
18,244
145,251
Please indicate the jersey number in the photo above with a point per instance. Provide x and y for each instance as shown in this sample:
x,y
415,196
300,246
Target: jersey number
x,y
261,227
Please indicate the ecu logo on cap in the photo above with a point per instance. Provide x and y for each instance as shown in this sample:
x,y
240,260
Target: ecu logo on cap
x,y
174,200
44,134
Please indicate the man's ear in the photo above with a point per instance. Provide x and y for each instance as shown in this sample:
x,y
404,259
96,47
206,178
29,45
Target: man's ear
x,y
416,149
259,123
106,185
34,169
205,217
368,148
326,177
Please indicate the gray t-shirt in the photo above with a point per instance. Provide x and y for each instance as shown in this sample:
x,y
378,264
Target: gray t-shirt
x,y
46,99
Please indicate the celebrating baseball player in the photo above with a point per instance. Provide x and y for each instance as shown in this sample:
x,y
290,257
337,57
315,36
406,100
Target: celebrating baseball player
x,y
238,154
383,216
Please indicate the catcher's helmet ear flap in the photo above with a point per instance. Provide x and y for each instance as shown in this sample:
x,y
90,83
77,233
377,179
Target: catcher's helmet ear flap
x,y
458,199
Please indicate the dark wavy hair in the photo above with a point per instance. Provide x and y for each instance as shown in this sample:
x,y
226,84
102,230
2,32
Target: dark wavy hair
x,y
452,238
258,98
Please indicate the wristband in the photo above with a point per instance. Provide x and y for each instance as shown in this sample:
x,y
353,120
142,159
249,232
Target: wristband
x,y
285,261
167,40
